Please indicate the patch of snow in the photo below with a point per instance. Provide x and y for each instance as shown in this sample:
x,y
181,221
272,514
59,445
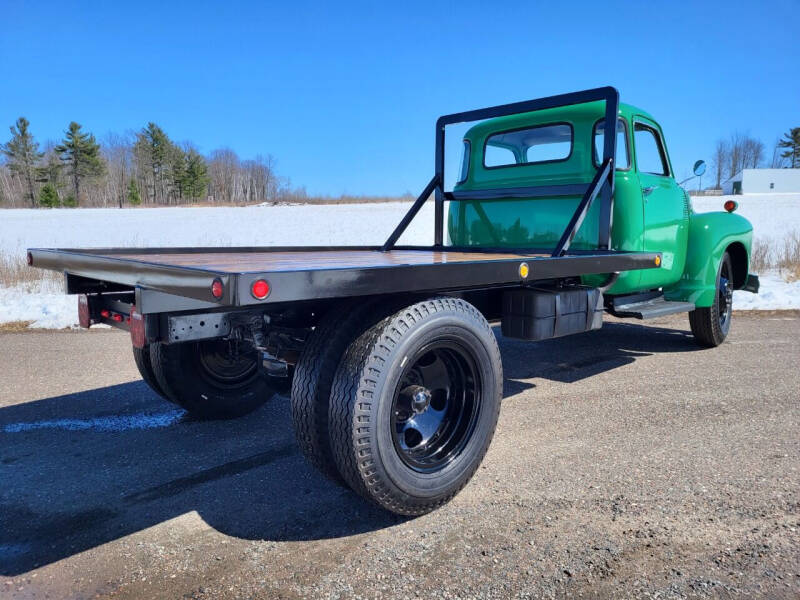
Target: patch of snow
x,y
774,294
103,424
45,305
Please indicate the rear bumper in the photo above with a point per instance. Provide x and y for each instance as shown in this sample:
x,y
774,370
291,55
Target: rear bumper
x,y
751,284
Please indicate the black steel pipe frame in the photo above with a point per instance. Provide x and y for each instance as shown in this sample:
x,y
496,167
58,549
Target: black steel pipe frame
x,y
185,286
608,94
412,212
598,183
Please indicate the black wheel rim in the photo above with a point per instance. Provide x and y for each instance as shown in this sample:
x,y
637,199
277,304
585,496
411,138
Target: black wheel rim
x,y
436,406
227,363
725,296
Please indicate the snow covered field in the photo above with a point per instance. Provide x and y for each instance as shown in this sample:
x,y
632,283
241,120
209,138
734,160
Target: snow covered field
x,y
773,217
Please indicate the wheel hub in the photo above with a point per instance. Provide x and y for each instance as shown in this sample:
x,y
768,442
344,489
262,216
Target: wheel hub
x,y
435,407
420,398
225,363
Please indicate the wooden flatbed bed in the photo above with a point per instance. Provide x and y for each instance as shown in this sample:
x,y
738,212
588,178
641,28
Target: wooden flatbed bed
x,y
310,273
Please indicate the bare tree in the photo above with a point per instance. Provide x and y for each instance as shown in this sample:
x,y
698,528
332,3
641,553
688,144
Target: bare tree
x,y
736,144
752,152
719,161
118,153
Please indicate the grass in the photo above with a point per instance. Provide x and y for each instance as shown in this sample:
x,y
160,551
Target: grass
x,y
784,256
15,326
15,271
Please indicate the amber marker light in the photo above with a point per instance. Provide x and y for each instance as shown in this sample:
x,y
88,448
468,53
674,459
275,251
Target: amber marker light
x,y
524,270
658,261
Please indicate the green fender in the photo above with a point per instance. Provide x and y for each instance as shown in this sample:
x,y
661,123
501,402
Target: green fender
x,y
710,235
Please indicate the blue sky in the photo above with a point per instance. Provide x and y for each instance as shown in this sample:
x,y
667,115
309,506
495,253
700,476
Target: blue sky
x,y
345,98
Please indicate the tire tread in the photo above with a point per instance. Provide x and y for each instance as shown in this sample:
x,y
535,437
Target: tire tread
x,y
313,378
354,384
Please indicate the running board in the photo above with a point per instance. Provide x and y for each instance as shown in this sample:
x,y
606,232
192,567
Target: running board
x,y
649,309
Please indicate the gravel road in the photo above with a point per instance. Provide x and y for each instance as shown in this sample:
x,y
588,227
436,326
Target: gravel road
x,y
627,463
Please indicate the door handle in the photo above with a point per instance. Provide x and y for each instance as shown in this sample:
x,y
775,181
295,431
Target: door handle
x,y
648,190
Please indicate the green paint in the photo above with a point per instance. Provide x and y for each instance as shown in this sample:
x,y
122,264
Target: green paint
x,y
659,221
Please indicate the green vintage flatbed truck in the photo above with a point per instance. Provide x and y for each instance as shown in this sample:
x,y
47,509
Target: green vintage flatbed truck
x,y
393,369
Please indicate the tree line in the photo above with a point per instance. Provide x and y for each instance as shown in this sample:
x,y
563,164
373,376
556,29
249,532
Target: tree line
x,y
142,167
147,167
742,151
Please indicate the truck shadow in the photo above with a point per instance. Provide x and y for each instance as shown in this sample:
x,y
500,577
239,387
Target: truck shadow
x,y
84,469
574,358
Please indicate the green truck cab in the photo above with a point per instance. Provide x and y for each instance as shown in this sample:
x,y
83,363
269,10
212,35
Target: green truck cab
x,y
704,256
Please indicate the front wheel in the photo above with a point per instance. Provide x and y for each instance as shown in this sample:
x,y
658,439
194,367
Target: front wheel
x,y
414,405
710,325
211,379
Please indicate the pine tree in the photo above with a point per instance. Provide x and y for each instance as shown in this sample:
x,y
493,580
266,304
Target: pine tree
x,y
81,153
134,199
22,152
196,179
177,171
48,196
792,143
154,148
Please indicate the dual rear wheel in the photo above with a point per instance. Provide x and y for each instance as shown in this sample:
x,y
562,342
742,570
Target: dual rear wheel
x,y
412,401
211,379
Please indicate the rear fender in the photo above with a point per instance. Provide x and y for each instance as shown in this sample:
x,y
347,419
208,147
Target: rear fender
x,y
710,236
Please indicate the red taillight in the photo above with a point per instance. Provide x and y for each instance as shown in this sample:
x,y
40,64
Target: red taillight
x,y
137,329
117,317
105,313
259,289
217,289
730,206
84,318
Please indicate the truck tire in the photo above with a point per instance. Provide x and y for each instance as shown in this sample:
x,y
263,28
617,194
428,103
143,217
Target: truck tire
x,y
710,325
211,379
141,356
414,405
313,377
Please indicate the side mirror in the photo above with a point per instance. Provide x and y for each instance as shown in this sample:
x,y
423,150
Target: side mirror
x,y
699,168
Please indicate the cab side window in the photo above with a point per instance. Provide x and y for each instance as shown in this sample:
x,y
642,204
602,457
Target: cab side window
x,y
650,155
623,160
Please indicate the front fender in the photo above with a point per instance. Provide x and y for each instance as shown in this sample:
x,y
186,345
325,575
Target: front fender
x,y
710,235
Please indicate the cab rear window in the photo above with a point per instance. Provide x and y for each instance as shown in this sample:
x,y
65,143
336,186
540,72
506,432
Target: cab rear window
x,y
541,144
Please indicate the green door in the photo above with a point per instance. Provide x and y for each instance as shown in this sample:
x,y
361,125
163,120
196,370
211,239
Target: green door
x,y
665,206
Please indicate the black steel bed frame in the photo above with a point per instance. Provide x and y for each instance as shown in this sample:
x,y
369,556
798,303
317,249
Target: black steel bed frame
x,y
160,288
602,183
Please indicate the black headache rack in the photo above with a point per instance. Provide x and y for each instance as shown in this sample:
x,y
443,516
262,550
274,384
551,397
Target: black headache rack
x,y
159,286
601,185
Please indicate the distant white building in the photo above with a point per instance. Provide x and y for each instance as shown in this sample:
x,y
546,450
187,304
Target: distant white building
x,y
763,181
